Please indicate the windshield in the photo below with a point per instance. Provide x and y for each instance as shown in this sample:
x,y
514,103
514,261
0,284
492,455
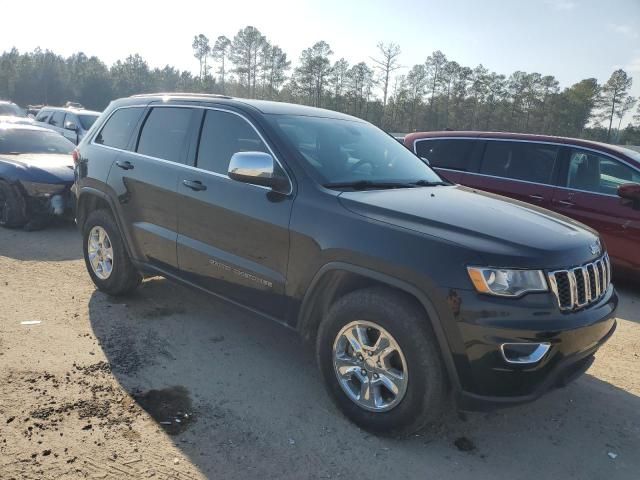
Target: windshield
x,y
11,110
344,151
16,141
86,120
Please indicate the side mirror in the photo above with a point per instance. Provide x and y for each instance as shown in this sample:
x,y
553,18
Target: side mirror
x,y
425,160
256,168
69,125
630,194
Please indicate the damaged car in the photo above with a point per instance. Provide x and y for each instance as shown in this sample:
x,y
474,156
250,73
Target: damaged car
x,y
36,174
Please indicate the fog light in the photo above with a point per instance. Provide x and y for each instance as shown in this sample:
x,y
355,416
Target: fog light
x,y
524,353
57,204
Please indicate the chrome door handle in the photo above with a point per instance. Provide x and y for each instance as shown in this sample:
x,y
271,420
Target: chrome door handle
x,y
566,203
536,197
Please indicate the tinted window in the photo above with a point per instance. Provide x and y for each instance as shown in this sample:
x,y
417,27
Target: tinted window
x,y
57,119
33,141
597,173
164,132
43,116
452,154
224,134
87,120
117,131
532,162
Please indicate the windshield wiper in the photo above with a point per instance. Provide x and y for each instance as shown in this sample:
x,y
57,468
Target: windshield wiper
x,y
369,184
427,183
11,153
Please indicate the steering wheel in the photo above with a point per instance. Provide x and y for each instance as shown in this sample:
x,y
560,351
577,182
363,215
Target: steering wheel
x,y
356,165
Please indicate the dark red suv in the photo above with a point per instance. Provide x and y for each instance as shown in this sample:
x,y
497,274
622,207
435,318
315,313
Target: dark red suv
x,y
594,183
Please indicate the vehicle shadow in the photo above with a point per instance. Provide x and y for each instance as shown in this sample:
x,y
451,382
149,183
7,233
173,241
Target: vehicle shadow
x,y
59,241
261,412
630,308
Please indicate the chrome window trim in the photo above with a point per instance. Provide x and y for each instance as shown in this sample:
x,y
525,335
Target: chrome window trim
x,y
599,152
190,167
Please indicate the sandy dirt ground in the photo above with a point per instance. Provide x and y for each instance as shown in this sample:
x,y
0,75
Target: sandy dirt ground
x,y
173,384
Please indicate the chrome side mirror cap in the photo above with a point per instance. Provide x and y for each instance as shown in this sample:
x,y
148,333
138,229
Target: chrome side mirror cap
x,y
257,168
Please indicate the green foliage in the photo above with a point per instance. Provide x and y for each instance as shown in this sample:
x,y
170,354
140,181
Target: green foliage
x,y
434,95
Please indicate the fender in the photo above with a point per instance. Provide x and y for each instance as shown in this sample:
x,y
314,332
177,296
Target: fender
x,y
434,319
84,191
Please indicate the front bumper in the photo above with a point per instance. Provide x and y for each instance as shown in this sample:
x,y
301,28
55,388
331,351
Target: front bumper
x,y
486,323
58,204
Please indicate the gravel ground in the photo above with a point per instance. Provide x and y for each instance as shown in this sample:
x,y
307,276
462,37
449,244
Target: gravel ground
x,y
173,384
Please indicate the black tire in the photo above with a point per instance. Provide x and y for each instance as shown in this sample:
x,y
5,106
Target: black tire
x,y
12,206
124,278
427,386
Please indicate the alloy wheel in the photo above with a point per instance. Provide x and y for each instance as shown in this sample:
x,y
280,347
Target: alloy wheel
x,y
100,251
370,366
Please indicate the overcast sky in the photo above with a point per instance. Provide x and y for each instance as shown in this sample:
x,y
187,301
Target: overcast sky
x,y
571,39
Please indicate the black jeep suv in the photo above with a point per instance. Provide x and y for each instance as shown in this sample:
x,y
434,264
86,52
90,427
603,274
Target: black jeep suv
x,y
415,292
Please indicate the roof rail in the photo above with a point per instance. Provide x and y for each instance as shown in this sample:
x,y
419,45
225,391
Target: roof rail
x,y
180,94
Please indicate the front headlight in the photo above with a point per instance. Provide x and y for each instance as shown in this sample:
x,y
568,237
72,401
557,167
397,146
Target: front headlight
x,y
506,282
36,189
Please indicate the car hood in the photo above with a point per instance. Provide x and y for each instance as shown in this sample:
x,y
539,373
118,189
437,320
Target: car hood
x,y
44,167
502,231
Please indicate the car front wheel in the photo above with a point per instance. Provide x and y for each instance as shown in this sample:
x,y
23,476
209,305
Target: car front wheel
x,y
381,363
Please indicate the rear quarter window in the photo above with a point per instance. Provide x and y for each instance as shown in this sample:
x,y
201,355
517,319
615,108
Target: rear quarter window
x,y
531,162
117,130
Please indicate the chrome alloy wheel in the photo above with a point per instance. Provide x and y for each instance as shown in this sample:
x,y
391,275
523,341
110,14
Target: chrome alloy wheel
x,y
100,252
370,366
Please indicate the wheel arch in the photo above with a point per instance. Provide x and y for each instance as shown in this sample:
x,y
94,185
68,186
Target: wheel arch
x,y
336,279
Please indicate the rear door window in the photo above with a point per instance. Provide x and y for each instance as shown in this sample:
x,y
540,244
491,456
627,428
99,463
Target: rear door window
x,y
531,162
117,130
224,134
453,154
164,133
596,173
57,119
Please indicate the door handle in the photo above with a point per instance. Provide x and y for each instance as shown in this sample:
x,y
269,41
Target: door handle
x,y
566,203
195,185
124,164
537,198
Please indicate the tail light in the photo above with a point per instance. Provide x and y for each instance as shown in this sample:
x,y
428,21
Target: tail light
x,y
76,156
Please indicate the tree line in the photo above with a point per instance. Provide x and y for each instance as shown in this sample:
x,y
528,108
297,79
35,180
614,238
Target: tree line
x,y
437,94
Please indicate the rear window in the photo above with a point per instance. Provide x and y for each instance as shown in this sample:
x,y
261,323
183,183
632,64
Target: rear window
x,y
531,162
164,132
454,154
118,128
17,141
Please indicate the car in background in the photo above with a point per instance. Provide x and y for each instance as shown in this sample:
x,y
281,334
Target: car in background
x,y
595,183
71,123
36,174
12,113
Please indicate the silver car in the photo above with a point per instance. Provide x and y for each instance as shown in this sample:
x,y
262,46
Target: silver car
x,y
72,123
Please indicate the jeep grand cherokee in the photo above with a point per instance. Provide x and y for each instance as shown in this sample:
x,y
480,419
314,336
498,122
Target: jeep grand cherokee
x,y
415,292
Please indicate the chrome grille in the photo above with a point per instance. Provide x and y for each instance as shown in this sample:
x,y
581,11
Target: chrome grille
x,y
581,286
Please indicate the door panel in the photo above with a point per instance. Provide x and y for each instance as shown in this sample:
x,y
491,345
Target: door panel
x,y
145,181
536,194
590,198
233,238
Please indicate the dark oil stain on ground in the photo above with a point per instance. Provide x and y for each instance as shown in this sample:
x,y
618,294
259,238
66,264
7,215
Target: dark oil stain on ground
x,y
170,407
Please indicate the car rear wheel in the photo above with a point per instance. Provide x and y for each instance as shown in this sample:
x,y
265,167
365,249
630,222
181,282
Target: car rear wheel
x,y
106,257
381,363
12,207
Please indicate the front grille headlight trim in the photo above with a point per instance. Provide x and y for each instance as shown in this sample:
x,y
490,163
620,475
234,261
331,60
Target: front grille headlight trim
x,y
578,287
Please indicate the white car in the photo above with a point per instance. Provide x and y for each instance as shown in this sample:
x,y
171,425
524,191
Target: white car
x,y
71,123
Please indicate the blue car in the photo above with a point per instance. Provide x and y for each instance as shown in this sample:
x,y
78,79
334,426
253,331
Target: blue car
x,y
36,174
